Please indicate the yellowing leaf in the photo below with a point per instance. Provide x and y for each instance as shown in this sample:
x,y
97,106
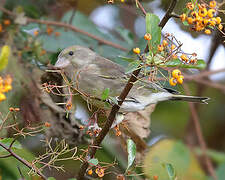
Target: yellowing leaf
x,y
4,57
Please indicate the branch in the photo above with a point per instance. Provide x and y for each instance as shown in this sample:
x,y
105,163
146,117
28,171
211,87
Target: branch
x,y
68,26
200,137
168,14
26,163
115,109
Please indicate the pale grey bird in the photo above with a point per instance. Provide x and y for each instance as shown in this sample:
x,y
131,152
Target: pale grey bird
x,y
91,74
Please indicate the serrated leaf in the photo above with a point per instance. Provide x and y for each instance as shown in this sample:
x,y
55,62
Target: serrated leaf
x,y
105,94
93,162
8,141
170,170
152,22
131,150
176,62
132,66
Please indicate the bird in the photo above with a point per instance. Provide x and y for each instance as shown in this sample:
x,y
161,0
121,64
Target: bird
x,y
91,74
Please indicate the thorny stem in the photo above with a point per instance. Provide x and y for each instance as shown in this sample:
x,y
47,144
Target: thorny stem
x,y
115,108
68,26
26,163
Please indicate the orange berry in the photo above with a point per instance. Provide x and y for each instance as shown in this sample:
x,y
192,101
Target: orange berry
x,y
190,6
17,109
43,52
155,177
193,61
218,20
160,47
211,13
176,73
49,30
173,46
6,22
173,81
81,127
190,20
174,56
184,57
120,177
212,22
208,31
165,43
212,4
137,50
69,105
36,33
100,172
57,34
180,79
147,36
2,97
11,109
194,14
203,12
220,26
90,172
183,17
118,133
110,1
205,22
1,29
47,124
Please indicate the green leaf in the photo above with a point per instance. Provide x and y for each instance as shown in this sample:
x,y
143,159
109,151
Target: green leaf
x,y
93,162
51,178
105,94
127,59
152,28
131,149
170,170
8,141
132,66
72,179
176,62
185,23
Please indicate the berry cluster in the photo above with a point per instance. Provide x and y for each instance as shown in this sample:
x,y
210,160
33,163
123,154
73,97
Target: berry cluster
x,y
99,171
176,77
5,86
202,17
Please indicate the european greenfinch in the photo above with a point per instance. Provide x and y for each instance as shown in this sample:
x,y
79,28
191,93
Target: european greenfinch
x,y
91,74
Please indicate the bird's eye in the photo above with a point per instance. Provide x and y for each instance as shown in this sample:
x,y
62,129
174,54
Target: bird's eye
x,y
71,53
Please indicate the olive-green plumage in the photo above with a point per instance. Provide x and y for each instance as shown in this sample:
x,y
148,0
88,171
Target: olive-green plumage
x,y
92,74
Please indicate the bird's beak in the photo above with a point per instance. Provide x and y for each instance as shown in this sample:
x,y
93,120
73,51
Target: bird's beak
x,y
62,62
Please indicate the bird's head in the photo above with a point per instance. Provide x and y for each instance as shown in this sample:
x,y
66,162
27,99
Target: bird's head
x,y
76,56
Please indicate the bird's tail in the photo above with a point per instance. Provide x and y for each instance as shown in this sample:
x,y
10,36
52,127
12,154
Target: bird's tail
x,y
190,98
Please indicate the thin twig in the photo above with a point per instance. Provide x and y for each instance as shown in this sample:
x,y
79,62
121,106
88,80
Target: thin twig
x,y
26,163
200,137
69,26
115,108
